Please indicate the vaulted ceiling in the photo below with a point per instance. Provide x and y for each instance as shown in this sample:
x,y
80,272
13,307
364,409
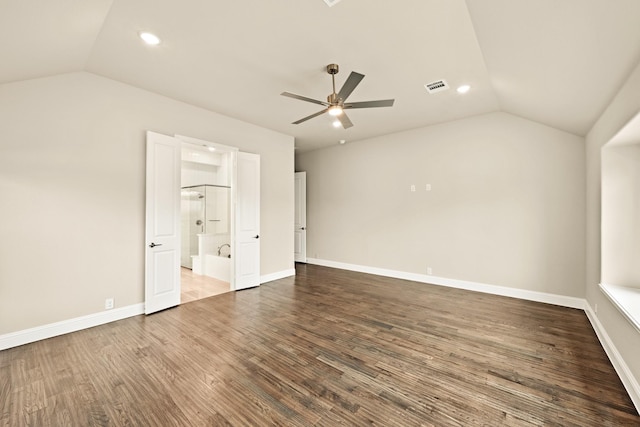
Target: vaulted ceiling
x,y
557,62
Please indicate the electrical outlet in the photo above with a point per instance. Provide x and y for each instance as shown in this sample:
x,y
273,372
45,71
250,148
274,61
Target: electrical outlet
x,y
108,304
429,271
427,187
413,188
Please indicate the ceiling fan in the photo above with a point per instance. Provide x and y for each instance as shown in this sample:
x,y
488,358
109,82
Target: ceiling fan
x,y
336,104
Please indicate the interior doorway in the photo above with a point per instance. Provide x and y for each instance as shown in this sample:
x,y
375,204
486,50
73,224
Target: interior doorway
x,y
206,222
163,220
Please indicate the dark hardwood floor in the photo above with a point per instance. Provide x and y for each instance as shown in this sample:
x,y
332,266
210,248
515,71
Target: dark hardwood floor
x,y
327,348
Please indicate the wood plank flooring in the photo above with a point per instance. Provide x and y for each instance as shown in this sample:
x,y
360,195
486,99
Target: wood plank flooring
x,y
327,348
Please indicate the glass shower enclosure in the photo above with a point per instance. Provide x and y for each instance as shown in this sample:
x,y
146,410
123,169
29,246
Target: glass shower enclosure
x,y
205,210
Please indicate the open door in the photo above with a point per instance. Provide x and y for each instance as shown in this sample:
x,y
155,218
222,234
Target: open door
x,y
300,218
162,235
247,260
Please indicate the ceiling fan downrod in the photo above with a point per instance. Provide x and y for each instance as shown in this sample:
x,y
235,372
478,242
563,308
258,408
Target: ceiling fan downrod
x,y
333,69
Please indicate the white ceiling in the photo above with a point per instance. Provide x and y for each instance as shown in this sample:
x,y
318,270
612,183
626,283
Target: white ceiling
x,y
558,62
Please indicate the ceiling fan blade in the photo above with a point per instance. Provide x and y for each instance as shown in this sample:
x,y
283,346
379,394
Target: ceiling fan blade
x,y
304,98
297,122
370,104
344,120
353,80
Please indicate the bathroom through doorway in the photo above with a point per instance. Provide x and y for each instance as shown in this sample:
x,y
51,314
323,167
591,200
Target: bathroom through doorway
x,y
205,208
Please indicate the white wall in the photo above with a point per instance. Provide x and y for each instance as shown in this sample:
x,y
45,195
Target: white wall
x,y
623,335
193,174
72,171
507,205
200,166
621,215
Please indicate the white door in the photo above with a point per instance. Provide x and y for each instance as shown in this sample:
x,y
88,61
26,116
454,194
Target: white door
x,y
247,260
300,219
162,259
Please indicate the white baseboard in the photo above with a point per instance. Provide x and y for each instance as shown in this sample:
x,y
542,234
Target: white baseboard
x,y
564,301
277,275
38,333
626,376
26,336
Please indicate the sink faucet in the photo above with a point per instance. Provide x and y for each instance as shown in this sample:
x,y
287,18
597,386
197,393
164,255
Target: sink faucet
x,y
222,246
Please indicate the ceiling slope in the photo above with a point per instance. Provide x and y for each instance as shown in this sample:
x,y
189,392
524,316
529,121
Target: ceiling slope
x,y
558,62
41,38
237,57
555,62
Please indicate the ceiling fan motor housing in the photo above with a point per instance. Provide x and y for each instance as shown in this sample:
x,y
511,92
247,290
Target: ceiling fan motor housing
x,y
333,99
333,68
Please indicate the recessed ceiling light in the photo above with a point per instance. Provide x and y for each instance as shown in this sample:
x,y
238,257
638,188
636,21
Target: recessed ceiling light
x,y
212,148
331,2
463,89
149,38
342,142
336,124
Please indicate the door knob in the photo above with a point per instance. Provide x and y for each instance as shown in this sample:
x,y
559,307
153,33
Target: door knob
x,y
153,245
257,236
303,228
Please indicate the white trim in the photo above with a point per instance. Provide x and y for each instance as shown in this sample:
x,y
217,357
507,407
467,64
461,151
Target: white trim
x,y
204,143
26,336
625,374
626,300
562,300
277,275
38,333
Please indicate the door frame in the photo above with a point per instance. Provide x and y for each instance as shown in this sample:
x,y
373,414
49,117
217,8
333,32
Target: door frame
x,y
187,140
181,141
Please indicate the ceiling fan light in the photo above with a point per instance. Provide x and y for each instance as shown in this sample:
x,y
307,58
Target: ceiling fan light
x,y
336,123
149,38
335,110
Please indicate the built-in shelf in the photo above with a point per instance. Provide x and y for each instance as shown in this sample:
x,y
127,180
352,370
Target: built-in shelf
x,y
627,300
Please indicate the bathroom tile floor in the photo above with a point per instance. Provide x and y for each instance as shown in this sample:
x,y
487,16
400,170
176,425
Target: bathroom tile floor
x,y
195,287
